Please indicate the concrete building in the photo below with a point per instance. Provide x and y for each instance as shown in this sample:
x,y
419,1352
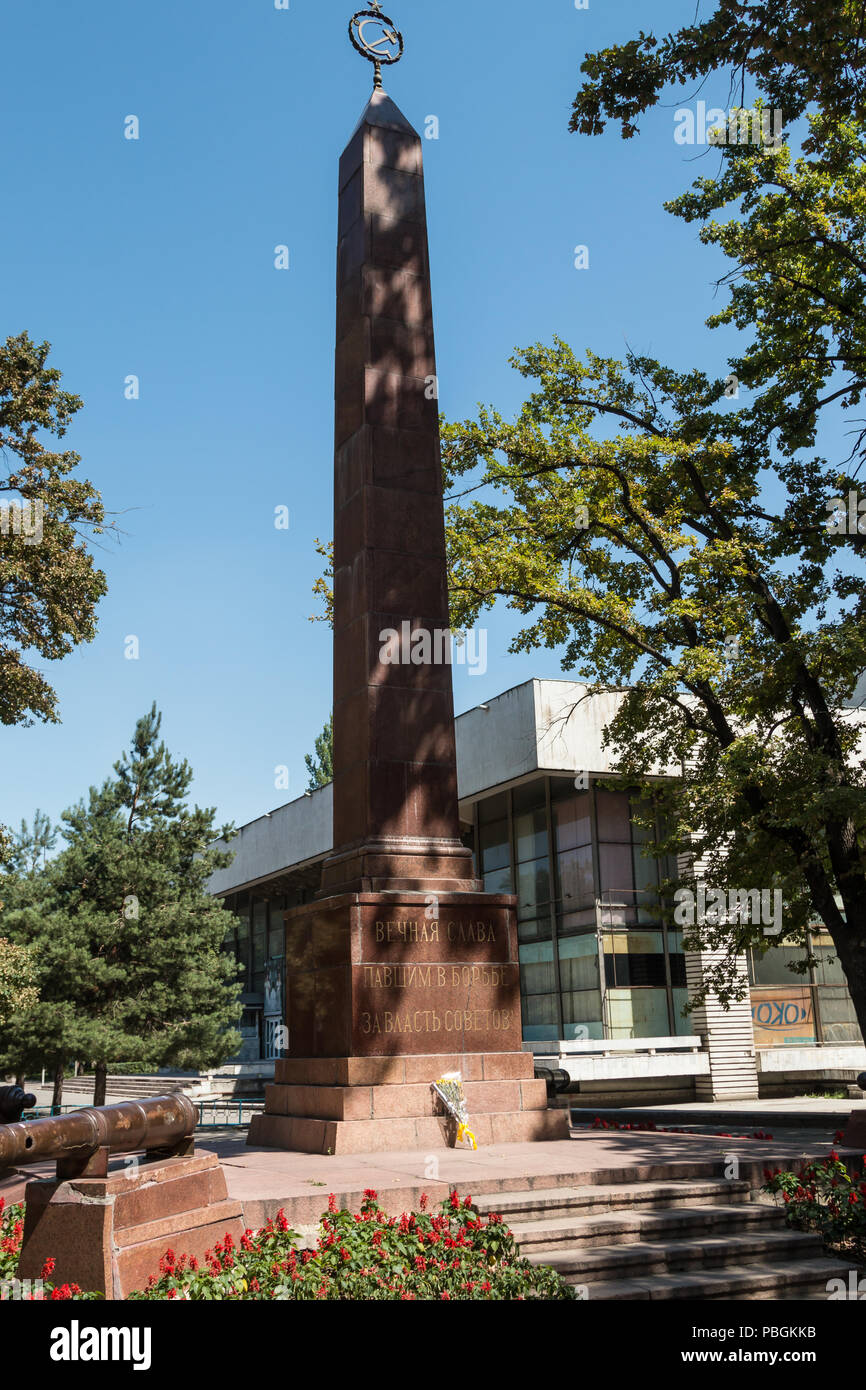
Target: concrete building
x,y
603,979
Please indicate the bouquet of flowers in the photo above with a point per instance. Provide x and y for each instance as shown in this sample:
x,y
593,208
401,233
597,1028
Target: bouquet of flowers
x,y
449,1089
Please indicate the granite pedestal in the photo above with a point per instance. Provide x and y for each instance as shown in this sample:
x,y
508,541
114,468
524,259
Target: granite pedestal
x,y
383,998
108,1234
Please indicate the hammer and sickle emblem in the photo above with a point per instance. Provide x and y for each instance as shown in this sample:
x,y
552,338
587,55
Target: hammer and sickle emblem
x,y
378,46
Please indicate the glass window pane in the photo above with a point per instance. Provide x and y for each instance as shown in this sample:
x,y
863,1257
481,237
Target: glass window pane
x,y
838,1019
617,873
243,916
530,834
533,887
578,962
576,887
498,881
825,972
638,1013
646,884
641,807
576,921
493,845
684,1026
276,928
260,928
230,940
572,822
613,818
772,968
536,968
540,1009
581,1014
493,808
534,929
634,959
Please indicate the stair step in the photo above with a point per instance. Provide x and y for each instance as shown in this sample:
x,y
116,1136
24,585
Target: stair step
x,y
546,1203
777,1282
626,1227
643,1259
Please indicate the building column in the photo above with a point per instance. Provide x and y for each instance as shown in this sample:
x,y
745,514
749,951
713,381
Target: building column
x,y
727,1035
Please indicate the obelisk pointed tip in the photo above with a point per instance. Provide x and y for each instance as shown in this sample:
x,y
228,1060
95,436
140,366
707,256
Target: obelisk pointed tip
x,y
382,111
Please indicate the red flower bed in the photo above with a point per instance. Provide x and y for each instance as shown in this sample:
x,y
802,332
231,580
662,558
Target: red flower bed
x,y
452,1255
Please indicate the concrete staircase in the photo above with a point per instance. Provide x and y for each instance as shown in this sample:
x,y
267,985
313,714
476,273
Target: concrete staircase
x,y
697,1238
128,1087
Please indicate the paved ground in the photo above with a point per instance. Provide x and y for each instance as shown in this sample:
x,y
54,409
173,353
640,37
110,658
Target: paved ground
x,y
267,1179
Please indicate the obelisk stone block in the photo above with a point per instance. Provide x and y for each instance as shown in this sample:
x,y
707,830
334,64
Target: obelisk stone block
x,y
401,969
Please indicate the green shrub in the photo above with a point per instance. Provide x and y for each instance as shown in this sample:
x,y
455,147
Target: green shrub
x,y
453,1255
825,1197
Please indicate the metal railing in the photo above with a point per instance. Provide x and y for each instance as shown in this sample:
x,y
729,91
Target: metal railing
x,y
212,1114
227,1114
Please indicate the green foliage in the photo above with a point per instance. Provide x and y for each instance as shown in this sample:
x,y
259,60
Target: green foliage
x,y
17,980
652,559
11,1235
798,248
31,846
827,1198
324,585
454,1255
126,938
321,766
797,53
50,588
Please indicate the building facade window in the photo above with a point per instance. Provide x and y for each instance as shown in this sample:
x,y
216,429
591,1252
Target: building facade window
x,y
258,943
597,957
791,1010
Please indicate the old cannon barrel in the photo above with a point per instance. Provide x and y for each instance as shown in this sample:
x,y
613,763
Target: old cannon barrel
x,y
162,1123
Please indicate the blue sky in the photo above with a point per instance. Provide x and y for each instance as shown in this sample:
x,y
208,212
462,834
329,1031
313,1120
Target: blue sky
x,y
155,258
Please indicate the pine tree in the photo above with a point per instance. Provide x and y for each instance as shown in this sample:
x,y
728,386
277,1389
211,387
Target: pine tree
x,y
321,766
127,939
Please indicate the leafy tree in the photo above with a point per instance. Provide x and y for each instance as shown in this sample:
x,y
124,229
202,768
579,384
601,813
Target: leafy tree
x,y
321,766
17,980
797,53
49,585
691,560
651,558
127,939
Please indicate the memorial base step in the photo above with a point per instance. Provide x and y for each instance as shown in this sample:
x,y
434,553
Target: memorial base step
x,y
341,1105
303,1135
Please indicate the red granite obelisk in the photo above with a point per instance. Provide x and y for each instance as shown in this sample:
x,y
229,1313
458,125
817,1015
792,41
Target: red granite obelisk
x,y
401,969
395,774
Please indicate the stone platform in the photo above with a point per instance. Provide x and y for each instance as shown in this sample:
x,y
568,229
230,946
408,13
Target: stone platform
x,y
265,1180
346,1105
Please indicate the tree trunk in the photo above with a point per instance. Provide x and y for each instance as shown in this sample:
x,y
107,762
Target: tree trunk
x,y
57,1097
850,946
20,1079
100,1079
